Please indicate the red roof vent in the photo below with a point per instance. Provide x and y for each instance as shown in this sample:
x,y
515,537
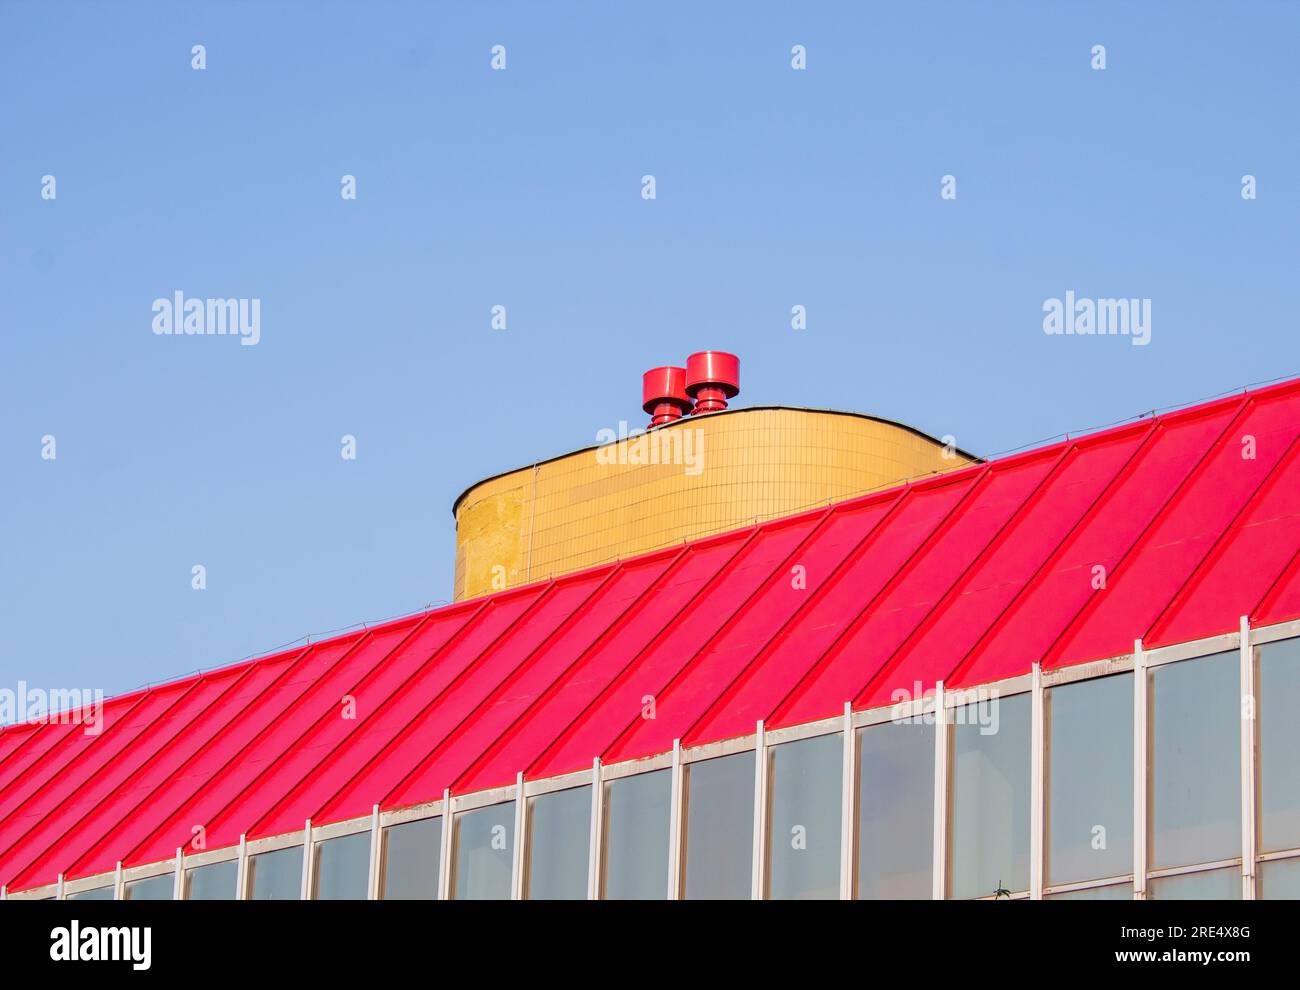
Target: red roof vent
x,y
663,395
712,377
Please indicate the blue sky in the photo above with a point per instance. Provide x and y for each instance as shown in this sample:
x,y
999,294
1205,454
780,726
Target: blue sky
x,y
475,188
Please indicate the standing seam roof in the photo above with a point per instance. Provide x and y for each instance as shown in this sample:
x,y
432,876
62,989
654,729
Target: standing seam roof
x,y
1167,530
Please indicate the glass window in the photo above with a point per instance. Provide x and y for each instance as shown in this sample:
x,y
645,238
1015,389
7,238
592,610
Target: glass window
x,y
559,844
719,846
896,810
636,836
1210,885
160,888
342,868
1090,779
94,894
1279,880
1279,742
484,842
803,851
990,797
276,876
214,882
1112,892
1196,761
412,860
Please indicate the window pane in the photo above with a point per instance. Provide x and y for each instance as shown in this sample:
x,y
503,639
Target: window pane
x,y
94,894
1114,892
151,888
1090,779
276,876
559,844
896,810
990,813
1195,761
214,882
412,860
720,828
1279,880
1279,742
343,868
804,834
485,844
636,836
1214,885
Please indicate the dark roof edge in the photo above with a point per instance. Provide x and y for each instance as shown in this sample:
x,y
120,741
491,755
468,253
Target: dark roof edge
x,y
725,412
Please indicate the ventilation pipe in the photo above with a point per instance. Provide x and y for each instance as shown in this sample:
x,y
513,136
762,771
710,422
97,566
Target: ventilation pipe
x,y
663,395
712,377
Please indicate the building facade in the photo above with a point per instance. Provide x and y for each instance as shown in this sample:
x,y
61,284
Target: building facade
x,y
1070,673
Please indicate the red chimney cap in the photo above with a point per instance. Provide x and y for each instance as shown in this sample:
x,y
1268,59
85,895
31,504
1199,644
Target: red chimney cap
x,y
713,370
665,385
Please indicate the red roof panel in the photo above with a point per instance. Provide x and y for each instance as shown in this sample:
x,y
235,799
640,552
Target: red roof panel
x,y
967,578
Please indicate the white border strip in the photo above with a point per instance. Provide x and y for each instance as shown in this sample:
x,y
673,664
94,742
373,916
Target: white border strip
x,y
593,847
848,804
1141,768
758,876
942,754
1037,783
1249,763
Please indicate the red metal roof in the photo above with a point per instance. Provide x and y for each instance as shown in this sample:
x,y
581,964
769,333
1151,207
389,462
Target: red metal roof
x,y
968,577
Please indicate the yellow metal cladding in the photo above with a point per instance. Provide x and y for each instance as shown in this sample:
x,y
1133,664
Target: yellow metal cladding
x,y
699,476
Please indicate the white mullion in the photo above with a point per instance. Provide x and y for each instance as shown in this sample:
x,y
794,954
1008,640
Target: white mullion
x,y
61,890
119,888
444,854
1249,762
939,889
676,824
241,879
178,886
376,837
1141,769
521,840
1037,783
758,877
848,796
593,848
304,892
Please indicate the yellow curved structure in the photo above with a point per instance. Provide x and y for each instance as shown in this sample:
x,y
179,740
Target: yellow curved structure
x,y
693,478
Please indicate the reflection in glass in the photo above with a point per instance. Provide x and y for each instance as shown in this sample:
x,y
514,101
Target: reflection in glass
x,y
412,860
1278,880
94,894
804,817
990,797
636,836
276,876
896,810
214,882
1211,885
719,847
1195,761
160,888
484,842
343,868
559,841
1279,742
1090,779
1113,892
